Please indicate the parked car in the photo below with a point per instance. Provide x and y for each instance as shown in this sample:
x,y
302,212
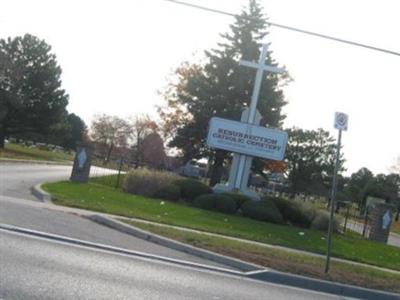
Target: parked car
x,y
193,169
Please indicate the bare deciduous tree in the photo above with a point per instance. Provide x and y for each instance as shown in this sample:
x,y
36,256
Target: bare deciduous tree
x,y
110,131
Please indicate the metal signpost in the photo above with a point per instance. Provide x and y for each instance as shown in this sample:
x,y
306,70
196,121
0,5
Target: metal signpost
x,y
341,122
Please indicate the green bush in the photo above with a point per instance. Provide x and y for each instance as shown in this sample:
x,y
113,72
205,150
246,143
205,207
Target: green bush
x,y
207,201
225,204
293,212
264,210
171,192
218,202
321,221
238,198
190,189
147,182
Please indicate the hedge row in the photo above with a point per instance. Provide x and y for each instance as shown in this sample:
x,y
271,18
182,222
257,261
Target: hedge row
x,y
172,187
165,185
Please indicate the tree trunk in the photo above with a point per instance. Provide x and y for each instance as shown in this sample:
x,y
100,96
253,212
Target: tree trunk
x,y
217,168
109,153
2,137
138,149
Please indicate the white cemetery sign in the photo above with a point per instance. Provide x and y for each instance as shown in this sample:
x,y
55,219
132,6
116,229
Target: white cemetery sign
x,y
247,139
240,169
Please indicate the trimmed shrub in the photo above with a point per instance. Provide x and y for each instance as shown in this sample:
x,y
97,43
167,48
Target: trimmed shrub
x,y
238,198
207,202
263,211
293,212
321,221
171,192
225,204
190,189
147,182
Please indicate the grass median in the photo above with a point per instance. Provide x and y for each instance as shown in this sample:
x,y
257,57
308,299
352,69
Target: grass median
x,y
102,198
282,260
396,227
15,151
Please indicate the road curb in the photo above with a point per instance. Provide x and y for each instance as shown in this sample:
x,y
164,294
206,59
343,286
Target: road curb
x,y
321,285
142,234
41,194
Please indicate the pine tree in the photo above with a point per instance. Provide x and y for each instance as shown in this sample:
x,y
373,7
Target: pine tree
x,y
31,98
222,88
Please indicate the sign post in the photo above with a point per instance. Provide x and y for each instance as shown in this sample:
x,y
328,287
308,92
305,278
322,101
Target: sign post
x,y
341,122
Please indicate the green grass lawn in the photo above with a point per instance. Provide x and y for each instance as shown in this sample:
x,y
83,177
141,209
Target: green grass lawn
x,y
396,227
15,151
103,198
282,260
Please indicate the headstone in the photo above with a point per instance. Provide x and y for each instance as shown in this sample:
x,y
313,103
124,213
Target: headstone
x,y
82,163
381,219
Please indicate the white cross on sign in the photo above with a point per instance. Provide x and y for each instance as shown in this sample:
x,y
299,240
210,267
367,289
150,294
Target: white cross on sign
x,y
261,67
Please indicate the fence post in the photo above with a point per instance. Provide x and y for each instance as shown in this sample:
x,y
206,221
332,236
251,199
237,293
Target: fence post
x,y
121,161
365,223
345,218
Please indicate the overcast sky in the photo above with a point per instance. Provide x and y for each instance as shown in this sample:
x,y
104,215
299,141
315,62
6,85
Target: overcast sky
x,y
116,55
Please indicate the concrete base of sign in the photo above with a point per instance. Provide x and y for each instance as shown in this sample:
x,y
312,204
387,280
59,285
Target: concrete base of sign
x,y
226,188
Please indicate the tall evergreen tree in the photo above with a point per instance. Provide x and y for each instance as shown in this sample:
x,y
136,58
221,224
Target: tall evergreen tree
x,y
68,132
311,161
31,98
222,88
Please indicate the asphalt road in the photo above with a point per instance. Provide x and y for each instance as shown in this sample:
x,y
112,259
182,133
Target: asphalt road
x,y
23,214
35,268
15,182
16,179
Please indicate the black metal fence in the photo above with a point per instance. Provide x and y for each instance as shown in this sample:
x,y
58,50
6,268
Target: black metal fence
x,y
354,218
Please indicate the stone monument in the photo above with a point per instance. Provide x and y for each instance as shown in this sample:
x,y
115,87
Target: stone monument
x,y
82,163
381,220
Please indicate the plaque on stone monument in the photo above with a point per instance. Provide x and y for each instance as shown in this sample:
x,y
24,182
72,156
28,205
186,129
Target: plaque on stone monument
x,y
82,163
